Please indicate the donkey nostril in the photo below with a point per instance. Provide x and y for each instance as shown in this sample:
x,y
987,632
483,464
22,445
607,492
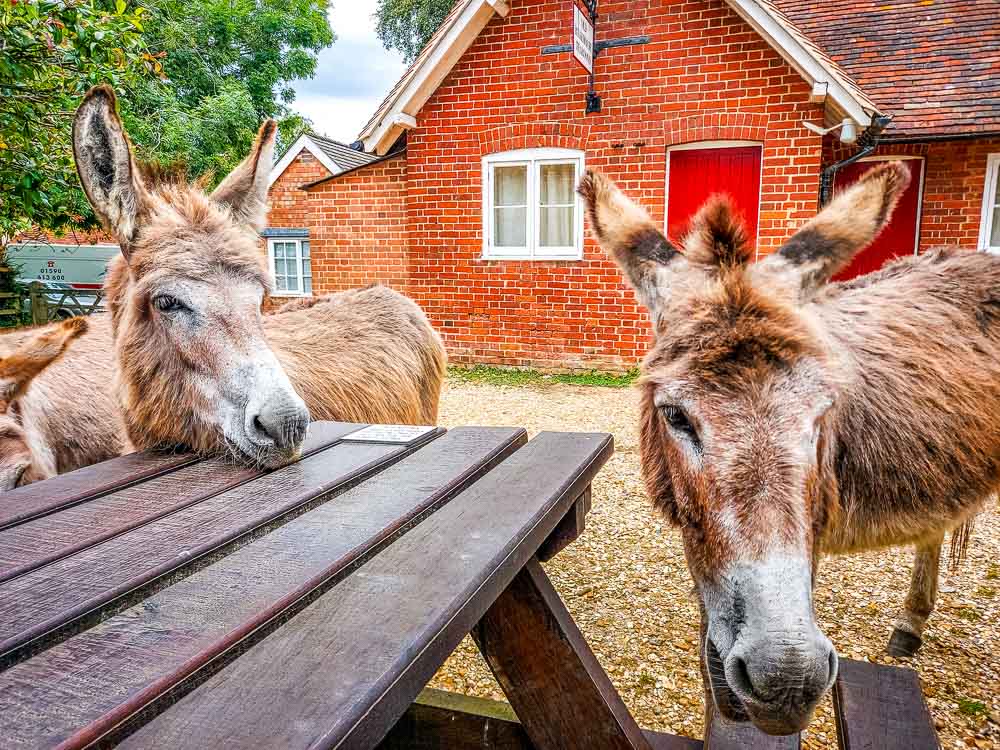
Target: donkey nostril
x,y
741,673
260,427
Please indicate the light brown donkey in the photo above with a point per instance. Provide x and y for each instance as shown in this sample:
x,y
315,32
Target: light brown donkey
x,y
198,365
784,417
48,422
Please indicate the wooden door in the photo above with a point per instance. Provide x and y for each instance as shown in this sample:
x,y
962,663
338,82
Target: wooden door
x,y
899,238
698,173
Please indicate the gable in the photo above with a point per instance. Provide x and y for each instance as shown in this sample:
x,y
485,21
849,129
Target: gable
x,y
468,18
333,155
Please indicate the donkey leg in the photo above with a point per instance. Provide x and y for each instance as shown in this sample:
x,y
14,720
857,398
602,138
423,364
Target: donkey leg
x,y
906,636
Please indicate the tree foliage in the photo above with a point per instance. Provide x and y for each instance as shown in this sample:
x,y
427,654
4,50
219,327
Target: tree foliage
x,y
230,64
195,79
406,25
50,54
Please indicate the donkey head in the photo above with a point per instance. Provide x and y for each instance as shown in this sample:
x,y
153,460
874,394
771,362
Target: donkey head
x,y
21,460
195,368
737,389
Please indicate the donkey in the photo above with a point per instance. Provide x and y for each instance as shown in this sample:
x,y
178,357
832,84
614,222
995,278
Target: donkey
x,y
197,363
783,417
45,426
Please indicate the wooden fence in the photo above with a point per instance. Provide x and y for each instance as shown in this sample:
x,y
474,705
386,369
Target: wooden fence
x,y
48,303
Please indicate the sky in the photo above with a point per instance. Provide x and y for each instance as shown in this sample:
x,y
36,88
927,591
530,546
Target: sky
x,y
352,76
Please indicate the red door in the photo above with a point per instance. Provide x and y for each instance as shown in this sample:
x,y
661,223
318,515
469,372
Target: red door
x,y
697,174
900,236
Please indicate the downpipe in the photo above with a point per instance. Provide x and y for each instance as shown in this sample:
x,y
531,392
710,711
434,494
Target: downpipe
x,y
867,142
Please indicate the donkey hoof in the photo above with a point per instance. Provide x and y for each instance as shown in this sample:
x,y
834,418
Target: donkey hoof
x,y
903,644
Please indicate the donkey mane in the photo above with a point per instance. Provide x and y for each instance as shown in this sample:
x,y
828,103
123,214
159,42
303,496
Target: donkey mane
x,y
717,236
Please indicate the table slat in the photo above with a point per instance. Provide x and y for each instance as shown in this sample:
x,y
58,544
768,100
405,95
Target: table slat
x,y
883,707
343,670
46,539
151,647
33,500
91,582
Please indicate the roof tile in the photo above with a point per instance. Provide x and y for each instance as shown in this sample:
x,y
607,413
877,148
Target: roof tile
x,y
934,66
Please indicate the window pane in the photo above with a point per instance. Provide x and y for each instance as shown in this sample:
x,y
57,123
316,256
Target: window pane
x,y
305,249
556,229
995,233
279,283
306,267
308,284
510,227
510,186
557,183
292,284
279,250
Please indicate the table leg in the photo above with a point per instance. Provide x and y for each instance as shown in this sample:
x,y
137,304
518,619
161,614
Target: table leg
x,y
559,691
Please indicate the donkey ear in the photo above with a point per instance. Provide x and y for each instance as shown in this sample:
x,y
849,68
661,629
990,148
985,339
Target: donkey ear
x,y
245,189
34,355
829,241
107,170
625,231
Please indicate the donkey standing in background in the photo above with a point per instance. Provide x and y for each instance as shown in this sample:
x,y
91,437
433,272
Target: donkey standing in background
x,y
198,365
46,426
783,417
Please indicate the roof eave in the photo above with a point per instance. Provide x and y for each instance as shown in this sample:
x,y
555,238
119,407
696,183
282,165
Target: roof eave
x,y
303,142
808,65
399,113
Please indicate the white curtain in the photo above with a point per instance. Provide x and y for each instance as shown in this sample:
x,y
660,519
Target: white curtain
x,y
556,204
510,206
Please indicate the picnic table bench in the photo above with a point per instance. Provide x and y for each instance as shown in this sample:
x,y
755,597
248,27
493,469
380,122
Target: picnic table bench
x,y
162,600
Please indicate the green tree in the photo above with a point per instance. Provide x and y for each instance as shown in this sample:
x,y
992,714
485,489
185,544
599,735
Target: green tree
x,y
51,52
406,25
229,64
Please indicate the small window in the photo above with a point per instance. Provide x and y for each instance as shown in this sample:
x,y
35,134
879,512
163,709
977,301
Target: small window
x,y
531,210
989,228
291,267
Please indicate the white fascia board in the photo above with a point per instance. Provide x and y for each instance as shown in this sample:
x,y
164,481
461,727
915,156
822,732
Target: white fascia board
x,y
431,72
307,143
800,58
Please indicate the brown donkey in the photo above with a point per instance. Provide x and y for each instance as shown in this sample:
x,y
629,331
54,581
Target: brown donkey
x,y
46,429
784,417
198,365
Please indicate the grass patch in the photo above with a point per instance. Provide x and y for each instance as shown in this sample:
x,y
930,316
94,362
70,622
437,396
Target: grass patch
x,y
993,572
968,613
986,591
501,376
971,708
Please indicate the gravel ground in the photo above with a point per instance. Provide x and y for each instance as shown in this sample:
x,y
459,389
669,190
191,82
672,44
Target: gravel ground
x,y
626,583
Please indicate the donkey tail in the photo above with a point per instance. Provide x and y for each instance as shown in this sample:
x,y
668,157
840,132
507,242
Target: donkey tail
x,y
960,537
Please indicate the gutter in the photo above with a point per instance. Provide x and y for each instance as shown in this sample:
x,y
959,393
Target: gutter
x,y
867,142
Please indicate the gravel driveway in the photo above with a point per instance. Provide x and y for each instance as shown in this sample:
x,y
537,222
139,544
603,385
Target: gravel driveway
x,y
626,583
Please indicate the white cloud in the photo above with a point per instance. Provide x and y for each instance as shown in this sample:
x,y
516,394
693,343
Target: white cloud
x,y
352,76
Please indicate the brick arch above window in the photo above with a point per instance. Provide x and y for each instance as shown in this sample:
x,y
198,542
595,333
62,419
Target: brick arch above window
x,y
716,126
517,136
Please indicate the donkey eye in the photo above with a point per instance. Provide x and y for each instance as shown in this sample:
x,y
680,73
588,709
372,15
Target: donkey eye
x,y
167,303
679,421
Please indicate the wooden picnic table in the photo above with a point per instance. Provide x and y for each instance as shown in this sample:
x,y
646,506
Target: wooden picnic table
x,y
157,601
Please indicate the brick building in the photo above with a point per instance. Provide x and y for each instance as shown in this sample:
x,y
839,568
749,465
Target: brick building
x,y
466,203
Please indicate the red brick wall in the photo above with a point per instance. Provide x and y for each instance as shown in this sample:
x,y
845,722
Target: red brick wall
x,y
357,228
289,204
954,179
705,76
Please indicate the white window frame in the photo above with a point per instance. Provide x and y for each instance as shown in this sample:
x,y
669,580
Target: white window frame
x,y
705,145
990,199
298,266
533,159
